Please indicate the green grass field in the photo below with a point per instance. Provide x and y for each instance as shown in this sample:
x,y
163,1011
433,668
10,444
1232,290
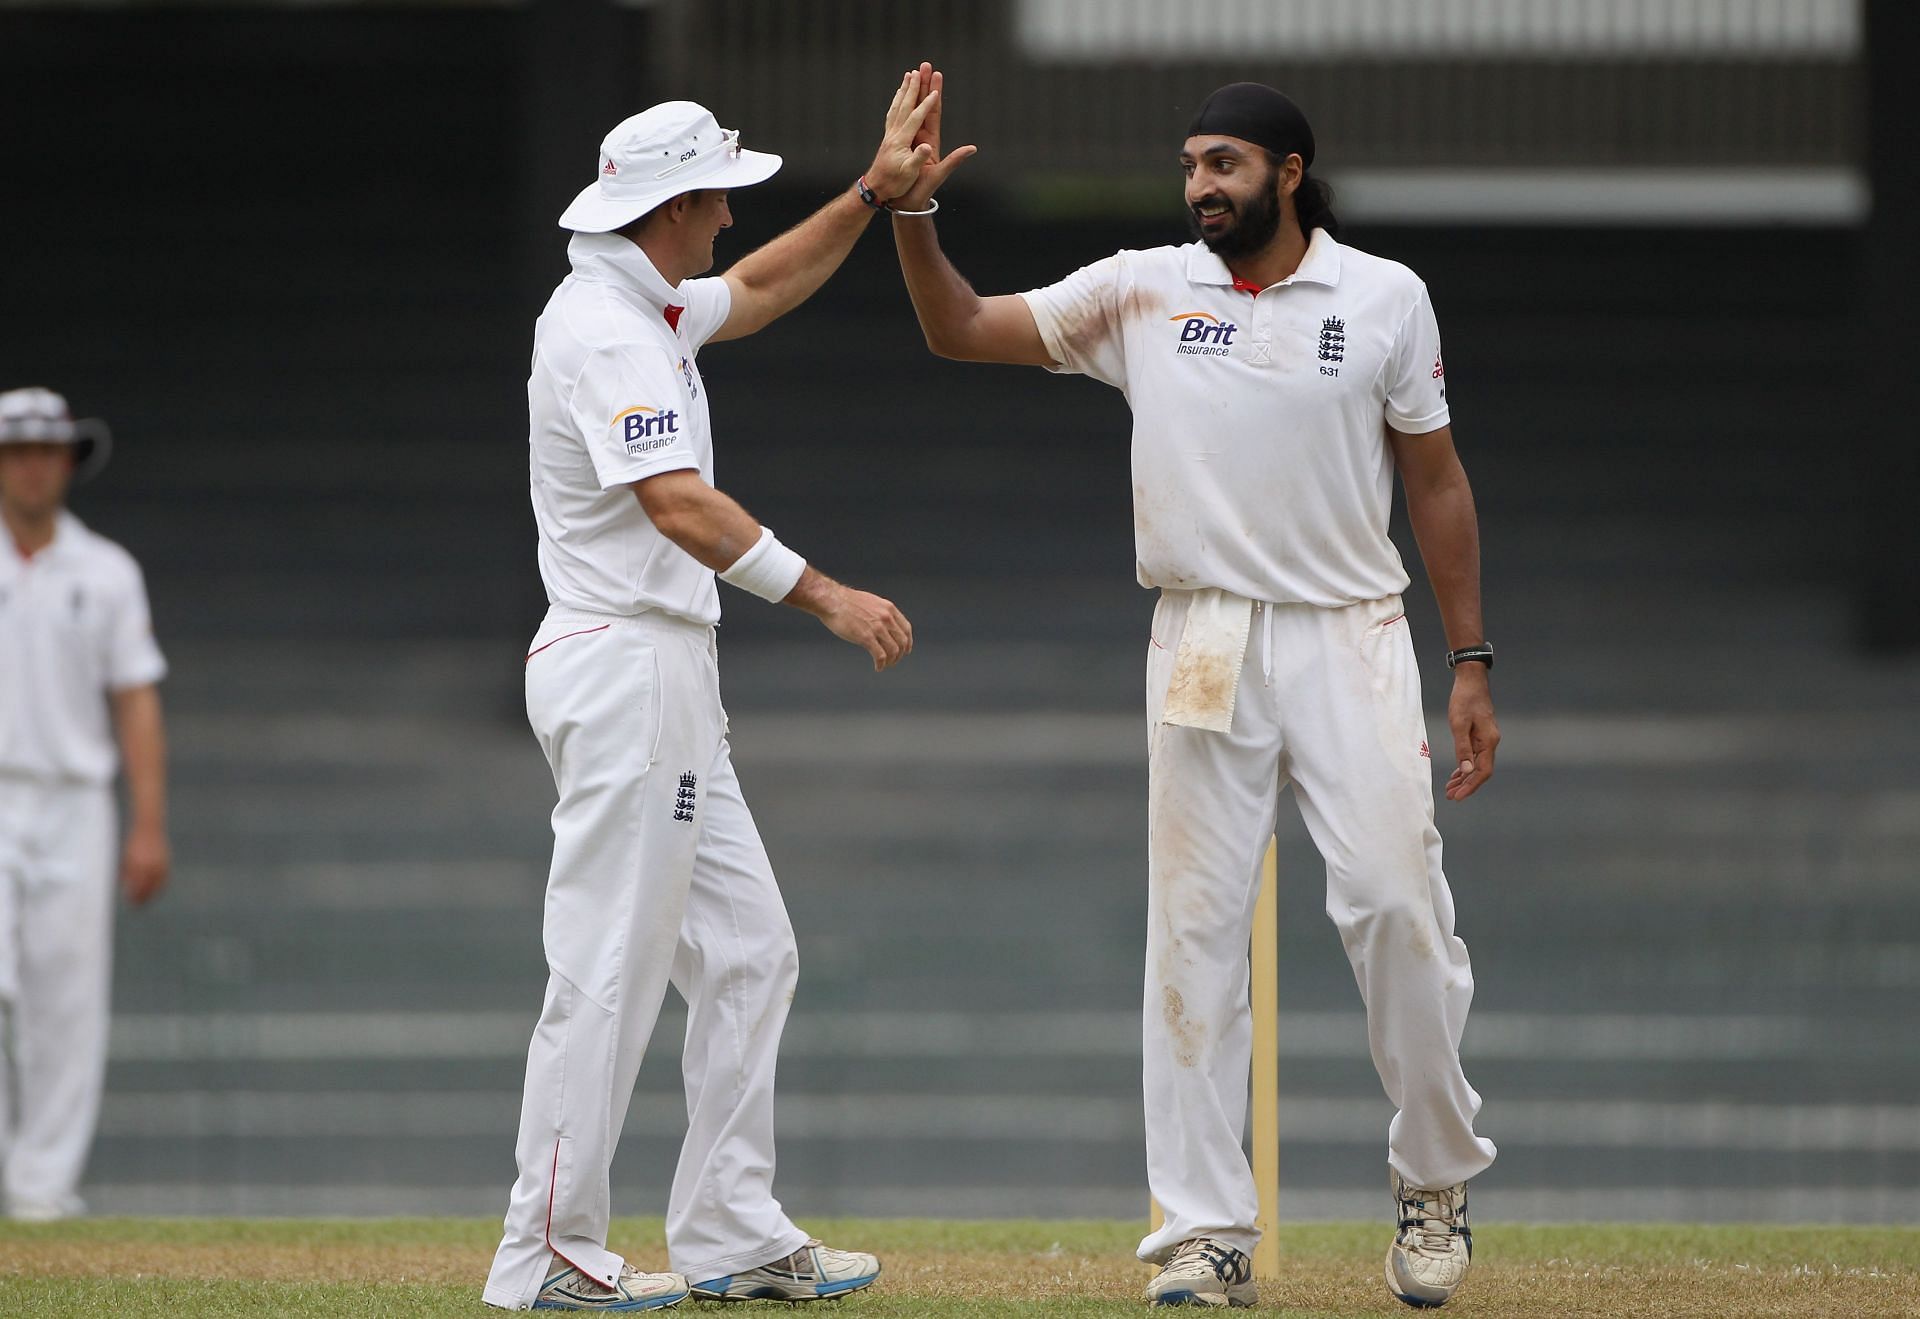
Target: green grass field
x,y
188,1268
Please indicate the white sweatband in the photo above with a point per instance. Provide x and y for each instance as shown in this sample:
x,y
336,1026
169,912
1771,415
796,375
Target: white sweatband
x,y
770,570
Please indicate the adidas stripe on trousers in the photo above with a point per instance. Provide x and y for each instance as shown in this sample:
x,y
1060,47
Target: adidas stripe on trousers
x,y
659,878
1329,702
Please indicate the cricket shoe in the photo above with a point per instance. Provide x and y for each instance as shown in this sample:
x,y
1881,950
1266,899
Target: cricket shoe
x,y
571,1289
1204,1272
810,1273
1433,1245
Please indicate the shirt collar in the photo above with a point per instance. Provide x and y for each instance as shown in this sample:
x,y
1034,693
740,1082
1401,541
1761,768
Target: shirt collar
x,y
67,532
611,259
1321,264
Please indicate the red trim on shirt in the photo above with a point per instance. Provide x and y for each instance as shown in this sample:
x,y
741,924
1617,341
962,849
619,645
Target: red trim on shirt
x,y
1245,286
672,313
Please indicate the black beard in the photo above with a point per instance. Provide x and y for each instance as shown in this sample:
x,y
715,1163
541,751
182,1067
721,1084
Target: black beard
x,y
1251,230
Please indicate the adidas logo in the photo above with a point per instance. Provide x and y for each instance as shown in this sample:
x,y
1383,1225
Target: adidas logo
x,y
610,167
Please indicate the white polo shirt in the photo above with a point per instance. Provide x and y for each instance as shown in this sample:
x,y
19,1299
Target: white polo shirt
x,y
614,397
74,626
1260,457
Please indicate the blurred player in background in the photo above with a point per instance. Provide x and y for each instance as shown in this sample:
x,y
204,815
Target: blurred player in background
x,y
659,875
1278,380
78,663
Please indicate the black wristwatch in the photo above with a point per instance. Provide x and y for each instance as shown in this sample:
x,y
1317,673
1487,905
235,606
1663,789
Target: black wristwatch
x,y
1482,654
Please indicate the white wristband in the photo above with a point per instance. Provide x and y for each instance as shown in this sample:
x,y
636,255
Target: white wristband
x,y
770,570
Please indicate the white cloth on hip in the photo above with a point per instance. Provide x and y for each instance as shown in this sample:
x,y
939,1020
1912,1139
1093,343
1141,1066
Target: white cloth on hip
x,y
1205,680
57,849
659,877
1331,704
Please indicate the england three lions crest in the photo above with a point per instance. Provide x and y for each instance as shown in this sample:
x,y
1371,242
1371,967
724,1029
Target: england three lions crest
x,y
1333,340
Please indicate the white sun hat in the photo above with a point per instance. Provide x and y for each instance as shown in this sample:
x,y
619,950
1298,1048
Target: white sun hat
x,y
40,416
671,148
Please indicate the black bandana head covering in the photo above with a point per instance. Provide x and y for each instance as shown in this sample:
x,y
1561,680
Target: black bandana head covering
x,y
1260,115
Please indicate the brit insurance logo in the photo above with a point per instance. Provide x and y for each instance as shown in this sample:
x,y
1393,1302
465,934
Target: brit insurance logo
x,y
1204,335
644,430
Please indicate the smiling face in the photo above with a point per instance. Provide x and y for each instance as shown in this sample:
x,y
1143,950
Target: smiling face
x,y
1236,196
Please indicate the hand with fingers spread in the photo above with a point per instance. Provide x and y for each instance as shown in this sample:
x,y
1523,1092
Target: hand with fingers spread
x,y
901,157
936,168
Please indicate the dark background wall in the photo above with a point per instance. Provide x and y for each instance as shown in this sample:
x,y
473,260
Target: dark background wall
x,y
295,257
291,256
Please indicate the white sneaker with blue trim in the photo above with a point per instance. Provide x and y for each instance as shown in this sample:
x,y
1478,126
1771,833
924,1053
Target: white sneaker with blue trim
x,y
810,1273
1203,1271
1432,1246
570,1289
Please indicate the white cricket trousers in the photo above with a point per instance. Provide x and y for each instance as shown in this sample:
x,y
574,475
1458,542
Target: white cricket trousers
x,y
658,878
56,955
1329,701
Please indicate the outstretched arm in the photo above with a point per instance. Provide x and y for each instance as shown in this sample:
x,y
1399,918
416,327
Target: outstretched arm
x,y
712,527
958,322
772,280
1440,507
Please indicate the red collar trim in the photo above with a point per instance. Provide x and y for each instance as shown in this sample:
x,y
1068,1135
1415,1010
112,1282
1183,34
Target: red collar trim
x,y
1245,286
672,313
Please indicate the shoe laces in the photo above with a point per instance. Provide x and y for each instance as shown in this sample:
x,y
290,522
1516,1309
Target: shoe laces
x,y
1430,1219
1223,1260
801,1261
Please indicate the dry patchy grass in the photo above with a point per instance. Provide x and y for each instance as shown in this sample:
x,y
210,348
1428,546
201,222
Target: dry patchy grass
x,y
434,1267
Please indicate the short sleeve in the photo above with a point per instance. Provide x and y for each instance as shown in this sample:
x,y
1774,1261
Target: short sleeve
x,y
631,409
1416,376
1079,321
133,656
708,303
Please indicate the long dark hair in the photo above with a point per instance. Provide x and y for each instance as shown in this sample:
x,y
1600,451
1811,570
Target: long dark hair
x,y
1313,202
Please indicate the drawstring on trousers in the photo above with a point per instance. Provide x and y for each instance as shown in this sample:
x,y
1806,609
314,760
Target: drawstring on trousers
x,y
1266,642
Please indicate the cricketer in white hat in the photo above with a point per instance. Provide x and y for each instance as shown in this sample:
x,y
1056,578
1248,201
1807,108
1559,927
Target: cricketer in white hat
x,y
659,875
654,156
79,702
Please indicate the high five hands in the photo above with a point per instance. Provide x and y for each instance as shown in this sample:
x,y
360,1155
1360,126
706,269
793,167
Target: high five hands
x,y
916,107
897,165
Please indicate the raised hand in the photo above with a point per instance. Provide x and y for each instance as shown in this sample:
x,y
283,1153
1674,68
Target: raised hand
x,y
898,162
934,172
